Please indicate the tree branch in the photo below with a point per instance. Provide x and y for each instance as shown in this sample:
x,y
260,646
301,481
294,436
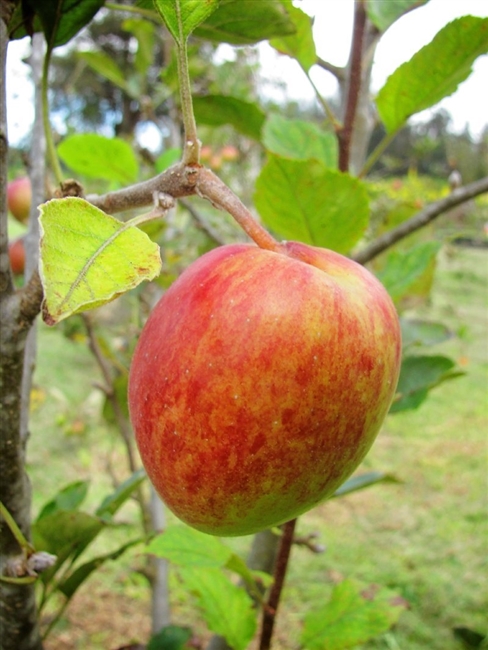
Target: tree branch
x,y
338,72
269,614
421,219
178,181
355,70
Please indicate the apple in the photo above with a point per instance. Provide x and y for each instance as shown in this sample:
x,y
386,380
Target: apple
x,y
19,198
229,153
206,153
16,253
260,382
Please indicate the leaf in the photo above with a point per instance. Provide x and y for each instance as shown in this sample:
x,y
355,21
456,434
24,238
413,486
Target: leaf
x,y
182,16
254,579
143,30
362,481
187,547
89,258
105,66
244,23
419,332
305,201
65,531
171,637
63,19
434,72
383,14
299,140
95,156
216,110
227,609
300,45
68,498
167,158
403,269
419,375
119,387
69,586
114,501
352,616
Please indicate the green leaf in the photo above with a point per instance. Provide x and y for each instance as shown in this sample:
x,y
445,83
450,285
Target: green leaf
x,y
383,14
227,609
419,375
353,616
403,269
362,481
419,332
89,258
69,586
305,201
171,637
187,547
300,45
182,16
119,387
167,158
216,110
254,580
95,156
106,67
63,19
299,140
244,23
434,72
114,501
143,30
65,532
68,498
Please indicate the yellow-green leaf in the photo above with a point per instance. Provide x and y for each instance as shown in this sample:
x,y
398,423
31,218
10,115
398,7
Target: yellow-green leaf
x,y
88,258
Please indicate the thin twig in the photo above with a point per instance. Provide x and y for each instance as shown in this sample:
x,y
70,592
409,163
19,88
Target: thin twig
x,y
338,72
355,75
210,187
201,223
421,219
269,614
122,422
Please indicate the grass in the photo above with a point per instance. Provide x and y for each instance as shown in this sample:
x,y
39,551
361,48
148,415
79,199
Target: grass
x,y
425,537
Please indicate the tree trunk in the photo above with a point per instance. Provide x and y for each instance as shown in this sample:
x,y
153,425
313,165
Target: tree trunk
x,y
18,613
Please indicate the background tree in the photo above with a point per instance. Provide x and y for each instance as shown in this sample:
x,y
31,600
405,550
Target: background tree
x,y
214,107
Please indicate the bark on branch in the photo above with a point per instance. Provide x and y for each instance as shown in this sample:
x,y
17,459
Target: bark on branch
x,y
421,219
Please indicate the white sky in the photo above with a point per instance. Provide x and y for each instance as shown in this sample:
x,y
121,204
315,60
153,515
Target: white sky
x,y
332,28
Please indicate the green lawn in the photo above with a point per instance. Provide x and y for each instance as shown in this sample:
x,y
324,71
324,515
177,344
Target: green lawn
x,y
426,537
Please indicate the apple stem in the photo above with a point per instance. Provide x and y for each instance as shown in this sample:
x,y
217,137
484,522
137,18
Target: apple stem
x,y
270,610
210,187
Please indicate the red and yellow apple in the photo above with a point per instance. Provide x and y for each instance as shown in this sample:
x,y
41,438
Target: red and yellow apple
x,y
16,253
19,198
260,382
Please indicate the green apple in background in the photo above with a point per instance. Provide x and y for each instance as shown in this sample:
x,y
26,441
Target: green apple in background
x,y
260,382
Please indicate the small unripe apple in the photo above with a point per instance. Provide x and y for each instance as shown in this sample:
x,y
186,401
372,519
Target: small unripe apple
x,y
16,253
229,153
206,153
19,198
260,382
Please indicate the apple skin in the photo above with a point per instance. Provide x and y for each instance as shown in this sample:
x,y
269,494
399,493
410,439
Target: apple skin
x,y
16,253
260,382
19,198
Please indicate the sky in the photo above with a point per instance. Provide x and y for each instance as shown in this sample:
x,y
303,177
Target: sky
x,y
332,30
